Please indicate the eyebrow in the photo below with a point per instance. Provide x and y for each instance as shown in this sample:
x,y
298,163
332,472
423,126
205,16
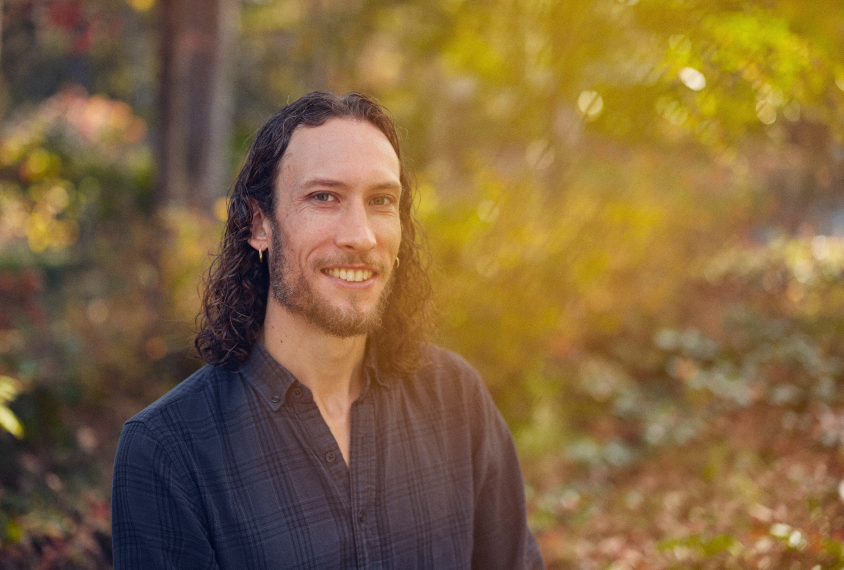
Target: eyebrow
x,y
332,183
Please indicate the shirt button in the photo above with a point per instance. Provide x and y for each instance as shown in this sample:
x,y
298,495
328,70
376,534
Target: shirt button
x,y
297,392
275,399
362,516
330,456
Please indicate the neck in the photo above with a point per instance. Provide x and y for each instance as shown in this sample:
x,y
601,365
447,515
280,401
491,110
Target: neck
x,y
331,367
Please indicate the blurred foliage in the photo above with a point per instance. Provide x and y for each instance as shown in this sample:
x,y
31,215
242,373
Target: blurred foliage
x,y
634,210
101,296
737,464
9,389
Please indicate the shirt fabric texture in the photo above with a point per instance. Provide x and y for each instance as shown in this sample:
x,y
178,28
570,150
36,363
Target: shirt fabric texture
x,y
238,470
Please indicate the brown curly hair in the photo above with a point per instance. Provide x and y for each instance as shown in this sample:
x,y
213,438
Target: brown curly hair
x,y
237,284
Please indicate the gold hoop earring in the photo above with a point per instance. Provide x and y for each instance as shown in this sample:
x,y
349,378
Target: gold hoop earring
x,y
260,256
397,262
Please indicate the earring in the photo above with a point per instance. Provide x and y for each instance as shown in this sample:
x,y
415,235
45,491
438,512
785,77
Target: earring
x,y
260,256
397,262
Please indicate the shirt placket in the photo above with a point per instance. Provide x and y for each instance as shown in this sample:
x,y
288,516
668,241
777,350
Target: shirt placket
x,y
321,440
362,480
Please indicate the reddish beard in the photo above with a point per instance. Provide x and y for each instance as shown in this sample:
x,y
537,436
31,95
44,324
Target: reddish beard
x,y
297,296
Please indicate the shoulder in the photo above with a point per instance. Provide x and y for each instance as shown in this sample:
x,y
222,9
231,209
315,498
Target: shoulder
x,y
442,363
189,396
169,431
192,410
446,382
444,370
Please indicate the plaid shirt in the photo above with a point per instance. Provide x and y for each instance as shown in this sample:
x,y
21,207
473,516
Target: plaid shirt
x,y
238,470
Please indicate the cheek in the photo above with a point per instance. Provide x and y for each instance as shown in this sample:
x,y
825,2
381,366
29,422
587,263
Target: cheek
x,y
391,235
301,236
304,247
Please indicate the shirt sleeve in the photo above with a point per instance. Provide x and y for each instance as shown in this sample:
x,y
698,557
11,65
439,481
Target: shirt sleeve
x,y
502,539
157,521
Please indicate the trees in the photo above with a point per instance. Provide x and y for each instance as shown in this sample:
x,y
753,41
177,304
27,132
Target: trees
x,y
196,54
632,206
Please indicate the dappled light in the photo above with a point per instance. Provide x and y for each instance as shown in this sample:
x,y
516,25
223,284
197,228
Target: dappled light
x,y
635,217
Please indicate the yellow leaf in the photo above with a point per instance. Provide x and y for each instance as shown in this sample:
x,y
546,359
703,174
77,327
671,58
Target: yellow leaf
x,y
9,388
10,423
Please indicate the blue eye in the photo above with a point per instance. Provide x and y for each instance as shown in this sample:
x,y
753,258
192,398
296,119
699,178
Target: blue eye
x,y
323,197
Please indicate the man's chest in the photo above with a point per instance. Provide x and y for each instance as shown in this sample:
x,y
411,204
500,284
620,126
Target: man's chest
x,y
281,496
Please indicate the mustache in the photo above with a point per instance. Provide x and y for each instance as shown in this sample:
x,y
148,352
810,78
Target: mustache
x,y
370,260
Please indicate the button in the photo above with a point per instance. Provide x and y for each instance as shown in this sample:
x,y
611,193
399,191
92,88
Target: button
x,y
275,399
362,516
330,456
297,392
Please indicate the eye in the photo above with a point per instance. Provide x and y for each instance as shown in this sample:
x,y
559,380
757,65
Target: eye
x,y
324,197
382,201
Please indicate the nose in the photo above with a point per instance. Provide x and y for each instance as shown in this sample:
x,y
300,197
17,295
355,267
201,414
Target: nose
x,y
354,231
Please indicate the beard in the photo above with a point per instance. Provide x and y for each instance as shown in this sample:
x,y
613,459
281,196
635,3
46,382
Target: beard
x,y
298,296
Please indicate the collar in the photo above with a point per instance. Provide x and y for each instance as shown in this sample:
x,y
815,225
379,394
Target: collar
x,y
268,377
273,381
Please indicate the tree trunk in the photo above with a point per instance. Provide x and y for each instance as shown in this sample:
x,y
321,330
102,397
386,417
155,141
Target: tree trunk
x,y
172,182
197,41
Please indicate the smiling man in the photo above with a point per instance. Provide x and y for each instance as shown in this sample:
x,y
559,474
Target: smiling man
x,y
324,432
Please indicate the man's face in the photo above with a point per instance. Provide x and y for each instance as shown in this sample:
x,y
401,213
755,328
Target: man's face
x,y
336,229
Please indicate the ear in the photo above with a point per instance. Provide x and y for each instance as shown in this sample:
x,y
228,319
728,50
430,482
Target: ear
x,y
261,230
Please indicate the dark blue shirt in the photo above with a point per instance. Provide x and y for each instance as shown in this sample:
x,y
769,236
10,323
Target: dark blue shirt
x,y
238,470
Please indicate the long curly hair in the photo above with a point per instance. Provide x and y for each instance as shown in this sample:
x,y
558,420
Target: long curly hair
x,y
235,296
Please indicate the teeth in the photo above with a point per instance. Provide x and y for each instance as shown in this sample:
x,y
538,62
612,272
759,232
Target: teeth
x,y
351,275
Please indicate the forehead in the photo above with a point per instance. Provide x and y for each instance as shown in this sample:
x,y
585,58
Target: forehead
x,y
341,149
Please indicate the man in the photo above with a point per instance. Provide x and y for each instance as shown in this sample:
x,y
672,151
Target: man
x,y
323,433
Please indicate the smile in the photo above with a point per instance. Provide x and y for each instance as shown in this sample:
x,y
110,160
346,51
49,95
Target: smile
x,y
350,275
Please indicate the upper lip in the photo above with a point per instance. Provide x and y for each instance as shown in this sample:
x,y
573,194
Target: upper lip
x,y
348,267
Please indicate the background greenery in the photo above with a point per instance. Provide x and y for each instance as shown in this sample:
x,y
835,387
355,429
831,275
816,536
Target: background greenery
x,y
634,208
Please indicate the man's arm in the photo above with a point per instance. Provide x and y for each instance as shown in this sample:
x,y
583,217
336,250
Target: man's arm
x,y
157,521
502,538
